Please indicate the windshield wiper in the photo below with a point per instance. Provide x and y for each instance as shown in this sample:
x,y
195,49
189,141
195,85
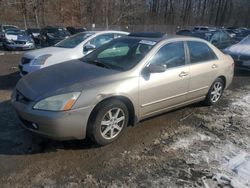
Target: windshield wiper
x,y
98,63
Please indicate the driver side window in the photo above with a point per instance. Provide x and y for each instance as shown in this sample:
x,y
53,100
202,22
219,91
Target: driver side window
x,y
102,39
172,55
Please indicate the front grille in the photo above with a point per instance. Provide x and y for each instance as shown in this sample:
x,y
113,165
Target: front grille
x,y
25,60
245,58
20,42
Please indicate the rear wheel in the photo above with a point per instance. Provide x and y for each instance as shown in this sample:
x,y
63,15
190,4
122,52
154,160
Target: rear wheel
x,y
109,121
215,92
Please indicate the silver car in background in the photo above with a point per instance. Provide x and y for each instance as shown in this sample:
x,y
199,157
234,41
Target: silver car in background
x,y
16,39
74,47
119,84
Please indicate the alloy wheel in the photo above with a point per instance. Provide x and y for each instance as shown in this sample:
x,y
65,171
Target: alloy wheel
x,y
216,92
112,123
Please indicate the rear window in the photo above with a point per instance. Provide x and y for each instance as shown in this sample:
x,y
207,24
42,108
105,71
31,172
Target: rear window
x,y
200,52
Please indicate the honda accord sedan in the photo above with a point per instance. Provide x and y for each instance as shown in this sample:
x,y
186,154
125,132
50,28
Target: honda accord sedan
x,y
119,84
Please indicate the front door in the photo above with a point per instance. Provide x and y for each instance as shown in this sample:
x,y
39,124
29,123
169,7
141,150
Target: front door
x,y
160,91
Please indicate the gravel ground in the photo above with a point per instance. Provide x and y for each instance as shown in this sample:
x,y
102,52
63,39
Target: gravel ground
x,y
195,146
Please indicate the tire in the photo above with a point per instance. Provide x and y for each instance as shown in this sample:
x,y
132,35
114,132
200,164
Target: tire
x,y
108,122
215,92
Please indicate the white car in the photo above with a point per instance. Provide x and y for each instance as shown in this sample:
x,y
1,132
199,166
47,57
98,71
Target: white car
x,y
74,47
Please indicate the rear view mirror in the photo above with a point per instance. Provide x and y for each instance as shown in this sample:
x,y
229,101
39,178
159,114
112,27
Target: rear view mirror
x,y
89,47
153,68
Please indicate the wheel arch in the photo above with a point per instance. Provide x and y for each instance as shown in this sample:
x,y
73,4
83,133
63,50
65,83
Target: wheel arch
x,y
132,116
224,80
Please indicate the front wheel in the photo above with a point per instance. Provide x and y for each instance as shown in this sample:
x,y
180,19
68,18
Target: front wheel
x,y
110,119
215,92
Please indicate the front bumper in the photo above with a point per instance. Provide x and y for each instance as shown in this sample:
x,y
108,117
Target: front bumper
x,y
27,46
67,125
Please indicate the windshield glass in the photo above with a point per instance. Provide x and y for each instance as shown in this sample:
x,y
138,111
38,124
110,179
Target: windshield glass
x,y
246,40
16,33
9,27
73,41
120,54
58,32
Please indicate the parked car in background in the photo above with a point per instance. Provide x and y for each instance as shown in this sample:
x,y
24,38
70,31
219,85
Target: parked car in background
x,y
236,33
241,35
74,30
3,28
119,84
240,52
16,39
219,38
74,47
184,32
49,36
204,29
34,33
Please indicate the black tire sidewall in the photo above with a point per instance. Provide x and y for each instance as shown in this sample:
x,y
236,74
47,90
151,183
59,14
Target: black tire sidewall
x,y
208,100
102,109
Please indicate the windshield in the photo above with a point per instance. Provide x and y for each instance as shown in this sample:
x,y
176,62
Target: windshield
x,y
73,41
9,27
246,40
58,32
16,33
120,54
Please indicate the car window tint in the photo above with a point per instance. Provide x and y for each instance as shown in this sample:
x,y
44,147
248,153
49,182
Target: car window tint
x,y
118,50
215,38
200,52
224,36
172,55
102,39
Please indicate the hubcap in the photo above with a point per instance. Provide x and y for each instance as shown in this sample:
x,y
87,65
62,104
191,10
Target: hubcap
x,y
216,92
112,123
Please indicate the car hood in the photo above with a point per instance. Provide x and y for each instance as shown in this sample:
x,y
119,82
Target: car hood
x,y
71,76
239,49
44,51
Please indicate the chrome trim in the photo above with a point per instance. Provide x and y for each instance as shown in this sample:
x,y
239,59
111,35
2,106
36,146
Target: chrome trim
x,y
175,96
161,100
175,106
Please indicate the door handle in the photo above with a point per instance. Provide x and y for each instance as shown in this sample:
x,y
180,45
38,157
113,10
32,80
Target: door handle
x,y
182,74
214,66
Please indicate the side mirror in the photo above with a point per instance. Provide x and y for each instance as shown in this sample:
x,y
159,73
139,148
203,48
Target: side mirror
x,y
153,68
89,47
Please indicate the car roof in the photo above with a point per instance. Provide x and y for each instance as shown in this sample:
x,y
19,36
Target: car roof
x,y
108,31
165,37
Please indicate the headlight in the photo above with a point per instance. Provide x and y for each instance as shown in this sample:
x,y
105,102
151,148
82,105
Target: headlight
x,y
31,41
9,41
41,60
58,103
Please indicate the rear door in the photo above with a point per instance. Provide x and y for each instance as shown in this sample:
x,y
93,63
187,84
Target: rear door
x,y
160,91
204,66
